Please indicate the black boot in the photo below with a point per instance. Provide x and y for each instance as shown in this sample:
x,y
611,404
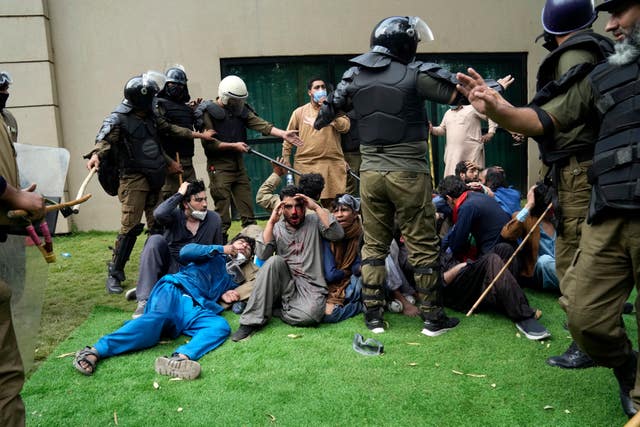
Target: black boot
x,y
572,358
626,376
121,251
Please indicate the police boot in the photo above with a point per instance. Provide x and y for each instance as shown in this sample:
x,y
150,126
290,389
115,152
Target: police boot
x,y
626,376
121,251
429,287
373,278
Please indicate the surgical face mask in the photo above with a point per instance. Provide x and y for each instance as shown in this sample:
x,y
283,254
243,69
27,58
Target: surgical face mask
x,y
240,258
3,100
318,95
199,215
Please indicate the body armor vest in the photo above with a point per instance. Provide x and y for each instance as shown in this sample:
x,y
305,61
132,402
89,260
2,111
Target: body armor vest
x,y
548,87
615,174
142,152
179,114
387,106
229,127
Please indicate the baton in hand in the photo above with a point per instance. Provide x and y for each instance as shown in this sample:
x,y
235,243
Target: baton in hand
x,y
264,156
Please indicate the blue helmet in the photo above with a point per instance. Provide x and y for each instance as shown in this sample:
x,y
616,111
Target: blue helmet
x,y
566,16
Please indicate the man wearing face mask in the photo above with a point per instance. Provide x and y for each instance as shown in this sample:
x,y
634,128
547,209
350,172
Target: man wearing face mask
x,y
229,116
321,152
574,50
185,219
172,104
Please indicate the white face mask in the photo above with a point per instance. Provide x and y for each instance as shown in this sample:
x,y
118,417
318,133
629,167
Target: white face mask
x,y
199,215
241,258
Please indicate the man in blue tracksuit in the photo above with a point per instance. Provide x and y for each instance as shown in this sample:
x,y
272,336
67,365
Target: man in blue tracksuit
x,y
180,303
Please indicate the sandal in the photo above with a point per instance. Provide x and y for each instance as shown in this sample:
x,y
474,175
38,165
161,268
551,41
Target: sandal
x,y
176,366
81,356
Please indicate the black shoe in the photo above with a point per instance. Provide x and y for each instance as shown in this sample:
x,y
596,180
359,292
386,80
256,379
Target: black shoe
x,y
626,376
572,358
244,332
113,285
433,328
373,320
532,329
627,308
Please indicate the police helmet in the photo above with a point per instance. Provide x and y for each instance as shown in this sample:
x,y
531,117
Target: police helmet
x,y
176,75
609,5
5,80
566,16
232,87
398,36
139,92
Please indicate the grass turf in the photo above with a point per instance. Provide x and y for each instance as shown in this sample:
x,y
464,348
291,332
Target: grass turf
x,y
315,379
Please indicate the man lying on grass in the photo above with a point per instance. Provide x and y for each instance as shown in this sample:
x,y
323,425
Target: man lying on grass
x,y
180,303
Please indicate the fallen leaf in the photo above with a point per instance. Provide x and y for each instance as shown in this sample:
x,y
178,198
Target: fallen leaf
x,y
294,336
412,364
115,417
413,343
271,418
542,342
156,385
175,379
517,334
566,411
457,372
180,409
65,355
437,365
547,407
477,375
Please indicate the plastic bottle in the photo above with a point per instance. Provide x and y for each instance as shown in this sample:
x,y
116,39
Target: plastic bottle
x,y
289,178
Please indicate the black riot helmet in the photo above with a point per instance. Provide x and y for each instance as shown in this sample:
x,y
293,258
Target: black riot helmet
x,y
176,75
561,17
609,5
140,91
398,36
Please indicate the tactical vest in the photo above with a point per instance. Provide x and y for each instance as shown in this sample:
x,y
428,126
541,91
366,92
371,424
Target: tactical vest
x,y
551,151
229,127
595,43
615,174
179,114
387,106
142,152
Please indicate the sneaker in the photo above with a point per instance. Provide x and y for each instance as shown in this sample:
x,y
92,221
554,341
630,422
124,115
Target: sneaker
x,y
178,367
532,329
395,306
130,295
244,332
373,320
433,328
139,309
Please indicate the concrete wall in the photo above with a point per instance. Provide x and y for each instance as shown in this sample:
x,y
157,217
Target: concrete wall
x,y
68,80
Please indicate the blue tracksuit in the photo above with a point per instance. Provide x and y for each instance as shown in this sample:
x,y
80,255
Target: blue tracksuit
x,y
181,303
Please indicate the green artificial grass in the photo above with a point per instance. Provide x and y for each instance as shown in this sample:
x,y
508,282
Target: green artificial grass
x,y
481,373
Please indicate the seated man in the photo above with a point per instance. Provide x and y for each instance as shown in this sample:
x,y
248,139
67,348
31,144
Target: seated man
x,y
466,281
507,197
291,276
467,171
243,270
180,303
474,214
185,219
312,185
341,263
537,256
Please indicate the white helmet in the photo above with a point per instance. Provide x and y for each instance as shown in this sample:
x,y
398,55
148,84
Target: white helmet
x,y
232,87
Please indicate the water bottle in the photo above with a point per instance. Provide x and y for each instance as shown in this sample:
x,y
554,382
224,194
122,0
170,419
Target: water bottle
x,y
289,178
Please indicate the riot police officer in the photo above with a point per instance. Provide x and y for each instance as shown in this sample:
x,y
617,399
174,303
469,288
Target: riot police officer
x,y
172,104
127,143
574,51
386,90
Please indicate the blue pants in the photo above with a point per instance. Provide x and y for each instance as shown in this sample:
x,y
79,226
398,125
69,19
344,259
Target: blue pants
x,y
545,273
352,303
169,312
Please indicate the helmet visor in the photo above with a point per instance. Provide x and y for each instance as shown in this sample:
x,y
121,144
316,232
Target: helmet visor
x,y
5,79
421,28
151,78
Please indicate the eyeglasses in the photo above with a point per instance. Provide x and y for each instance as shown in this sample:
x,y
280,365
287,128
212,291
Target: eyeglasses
x,y
200,199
